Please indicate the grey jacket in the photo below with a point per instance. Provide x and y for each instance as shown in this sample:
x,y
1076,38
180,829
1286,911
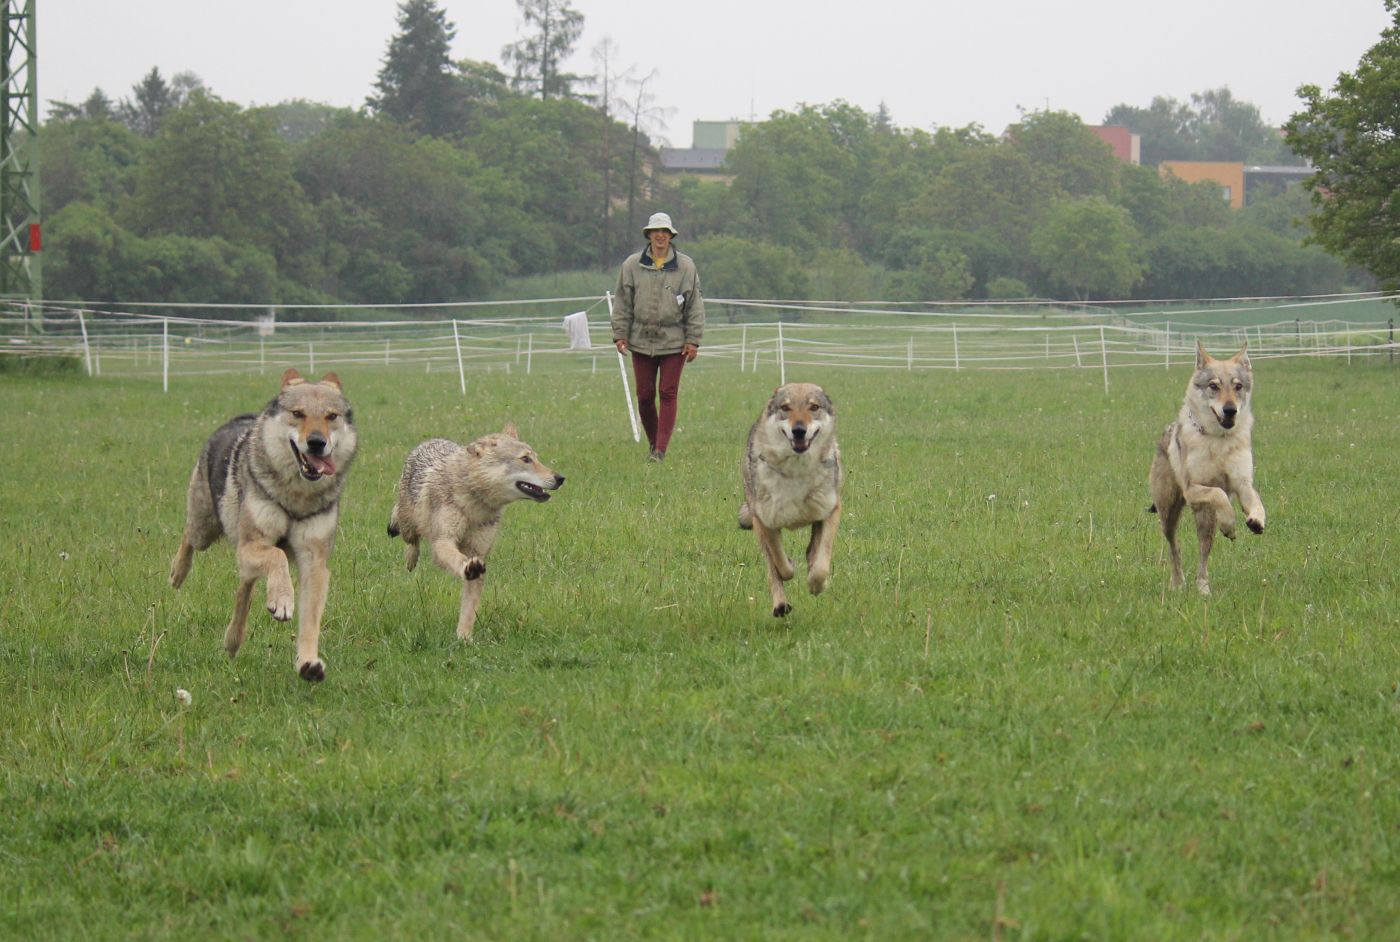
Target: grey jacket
x,y
658,311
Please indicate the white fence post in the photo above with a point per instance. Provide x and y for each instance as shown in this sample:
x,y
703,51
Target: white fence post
x,y
909,358
457,342
529,350
782,357
1103,347
957,357
626,388
165,354
1168,364
87,350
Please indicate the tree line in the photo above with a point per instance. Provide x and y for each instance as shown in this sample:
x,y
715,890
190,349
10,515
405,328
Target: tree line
x,y
455,178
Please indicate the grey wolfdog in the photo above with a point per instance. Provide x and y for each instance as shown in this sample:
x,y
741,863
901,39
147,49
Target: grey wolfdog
x,y
792,478
271,483
1205,456
453,497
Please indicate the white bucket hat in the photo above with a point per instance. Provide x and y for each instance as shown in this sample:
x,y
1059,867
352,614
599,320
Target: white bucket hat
x,y
659,221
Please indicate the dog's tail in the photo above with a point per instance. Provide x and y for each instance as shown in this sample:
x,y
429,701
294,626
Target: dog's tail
x,y
745,517
1152,508
393,523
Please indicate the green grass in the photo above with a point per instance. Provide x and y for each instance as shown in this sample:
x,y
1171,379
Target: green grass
x,y
997,723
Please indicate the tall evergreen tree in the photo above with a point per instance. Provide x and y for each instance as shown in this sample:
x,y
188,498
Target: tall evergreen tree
x,y
417,85
153,100
552,27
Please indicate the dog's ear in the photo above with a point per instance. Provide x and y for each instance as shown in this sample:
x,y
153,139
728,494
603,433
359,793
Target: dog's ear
x,y
1203,359
509,429
330,379
476,448
1242,358
291,378
827,404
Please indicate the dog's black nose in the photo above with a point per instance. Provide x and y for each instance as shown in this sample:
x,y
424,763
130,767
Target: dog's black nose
x,y
799,432
316,444
558,480
1229,411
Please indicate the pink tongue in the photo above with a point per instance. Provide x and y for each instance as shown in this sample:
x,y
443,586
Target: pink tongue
x,y
324,465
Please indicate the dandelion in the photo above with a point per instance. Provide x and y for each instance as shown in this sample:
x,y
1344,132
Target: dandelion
x,y
63,555
183,696
991,497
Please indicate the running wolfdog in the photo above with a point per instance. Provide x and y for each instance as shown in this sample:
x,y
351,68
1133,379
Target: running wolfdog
x,y
792,478
453,497
271,483
1205,456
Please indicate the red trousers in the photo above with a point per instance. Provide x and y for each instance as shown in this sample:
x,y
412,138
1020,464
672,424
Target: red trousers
x,y
647,369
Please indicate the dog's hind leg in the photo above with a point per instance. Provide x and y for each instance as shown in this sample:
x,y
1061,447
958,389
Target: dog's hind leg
x,y
466,617
1205,532
410,556
1170,516
819,552
238,625
180,565
779,566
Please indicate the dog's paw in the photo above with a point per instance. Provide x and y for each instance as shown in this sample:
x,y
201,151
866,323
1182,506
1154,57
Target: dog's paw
x,y
281,608
313,671
1256,526
817,581
1203,587
781,611
1227,528
475,568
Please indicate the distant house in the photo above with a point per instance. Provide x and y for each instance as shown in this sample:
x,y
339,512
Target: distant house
x,y
1126,143
1239,184
710,143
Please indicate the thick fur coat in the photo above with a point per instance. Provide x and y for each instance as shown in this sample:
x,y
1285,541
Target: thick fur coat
x,y
452,497
792,478
271,482
1206,457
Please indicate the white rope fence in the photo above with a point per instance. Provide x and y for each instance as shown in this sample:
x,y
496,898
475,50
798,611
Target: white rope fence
x,y
750,336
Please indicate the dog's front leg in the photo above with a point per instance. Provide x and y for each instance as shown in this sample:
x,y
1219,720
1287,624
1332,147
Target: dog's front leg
x,y
1253,506
819,551
315,578
450,558
258,559
779,566
466,617
1200,496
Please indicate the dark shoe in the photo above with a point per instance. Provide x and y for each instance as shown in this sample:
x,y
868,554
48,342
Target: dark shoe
x,y
657,455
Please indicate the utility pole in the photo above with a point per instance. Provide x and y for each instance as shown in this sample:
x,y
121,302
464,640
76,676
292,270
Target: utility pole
x,y
21,272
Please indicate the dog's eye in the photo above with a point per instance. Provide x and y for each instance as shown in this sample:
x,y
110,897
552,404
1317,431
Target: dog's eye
x,y
785,407
525,458
332,416
1239,387
1215,387
298,414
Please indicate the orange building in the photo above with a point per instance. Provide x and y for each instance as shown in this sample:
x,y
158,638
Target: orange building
x,y
1228,176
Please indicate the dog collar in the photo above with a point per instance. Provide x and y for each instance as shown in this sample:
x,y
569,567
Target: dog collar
x,y
1194,424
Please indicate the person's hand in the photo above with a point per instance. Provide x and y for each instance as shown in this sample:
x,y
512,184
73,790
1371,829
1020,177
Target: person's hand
x,y
690,352
621,345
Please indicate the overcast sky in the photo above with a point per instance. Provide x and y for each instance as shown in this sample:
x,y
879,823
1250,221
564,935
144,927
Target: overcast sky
x,y
931,64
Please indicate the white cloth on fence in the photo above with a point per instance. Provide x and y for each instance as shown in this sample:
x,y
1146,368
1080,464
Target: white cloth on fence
x,y
576,326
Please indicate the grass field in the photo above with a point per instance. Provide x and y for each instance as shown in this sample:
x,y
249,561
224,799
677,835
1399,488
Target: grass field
x,y
997,724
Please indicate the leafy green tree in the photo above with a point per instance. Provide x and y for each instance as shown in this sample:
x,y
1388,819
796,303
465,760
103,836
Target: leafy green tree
x,y
390,203
153,99
733,267
1213,126
92,160
552,27
840,275
939,273
1087,248
1066,153
217,171
417,85
84,252
1349,134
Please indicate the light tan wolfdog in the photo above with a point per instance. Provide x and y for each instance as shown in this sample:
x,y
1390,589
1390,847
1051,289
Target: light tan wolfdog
x,y
792,478
271,483
453,498
1205,456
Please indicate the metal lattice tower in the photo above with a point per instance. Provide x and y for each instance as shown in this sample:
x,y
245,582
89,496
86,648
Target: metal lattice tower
x,y
20,269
